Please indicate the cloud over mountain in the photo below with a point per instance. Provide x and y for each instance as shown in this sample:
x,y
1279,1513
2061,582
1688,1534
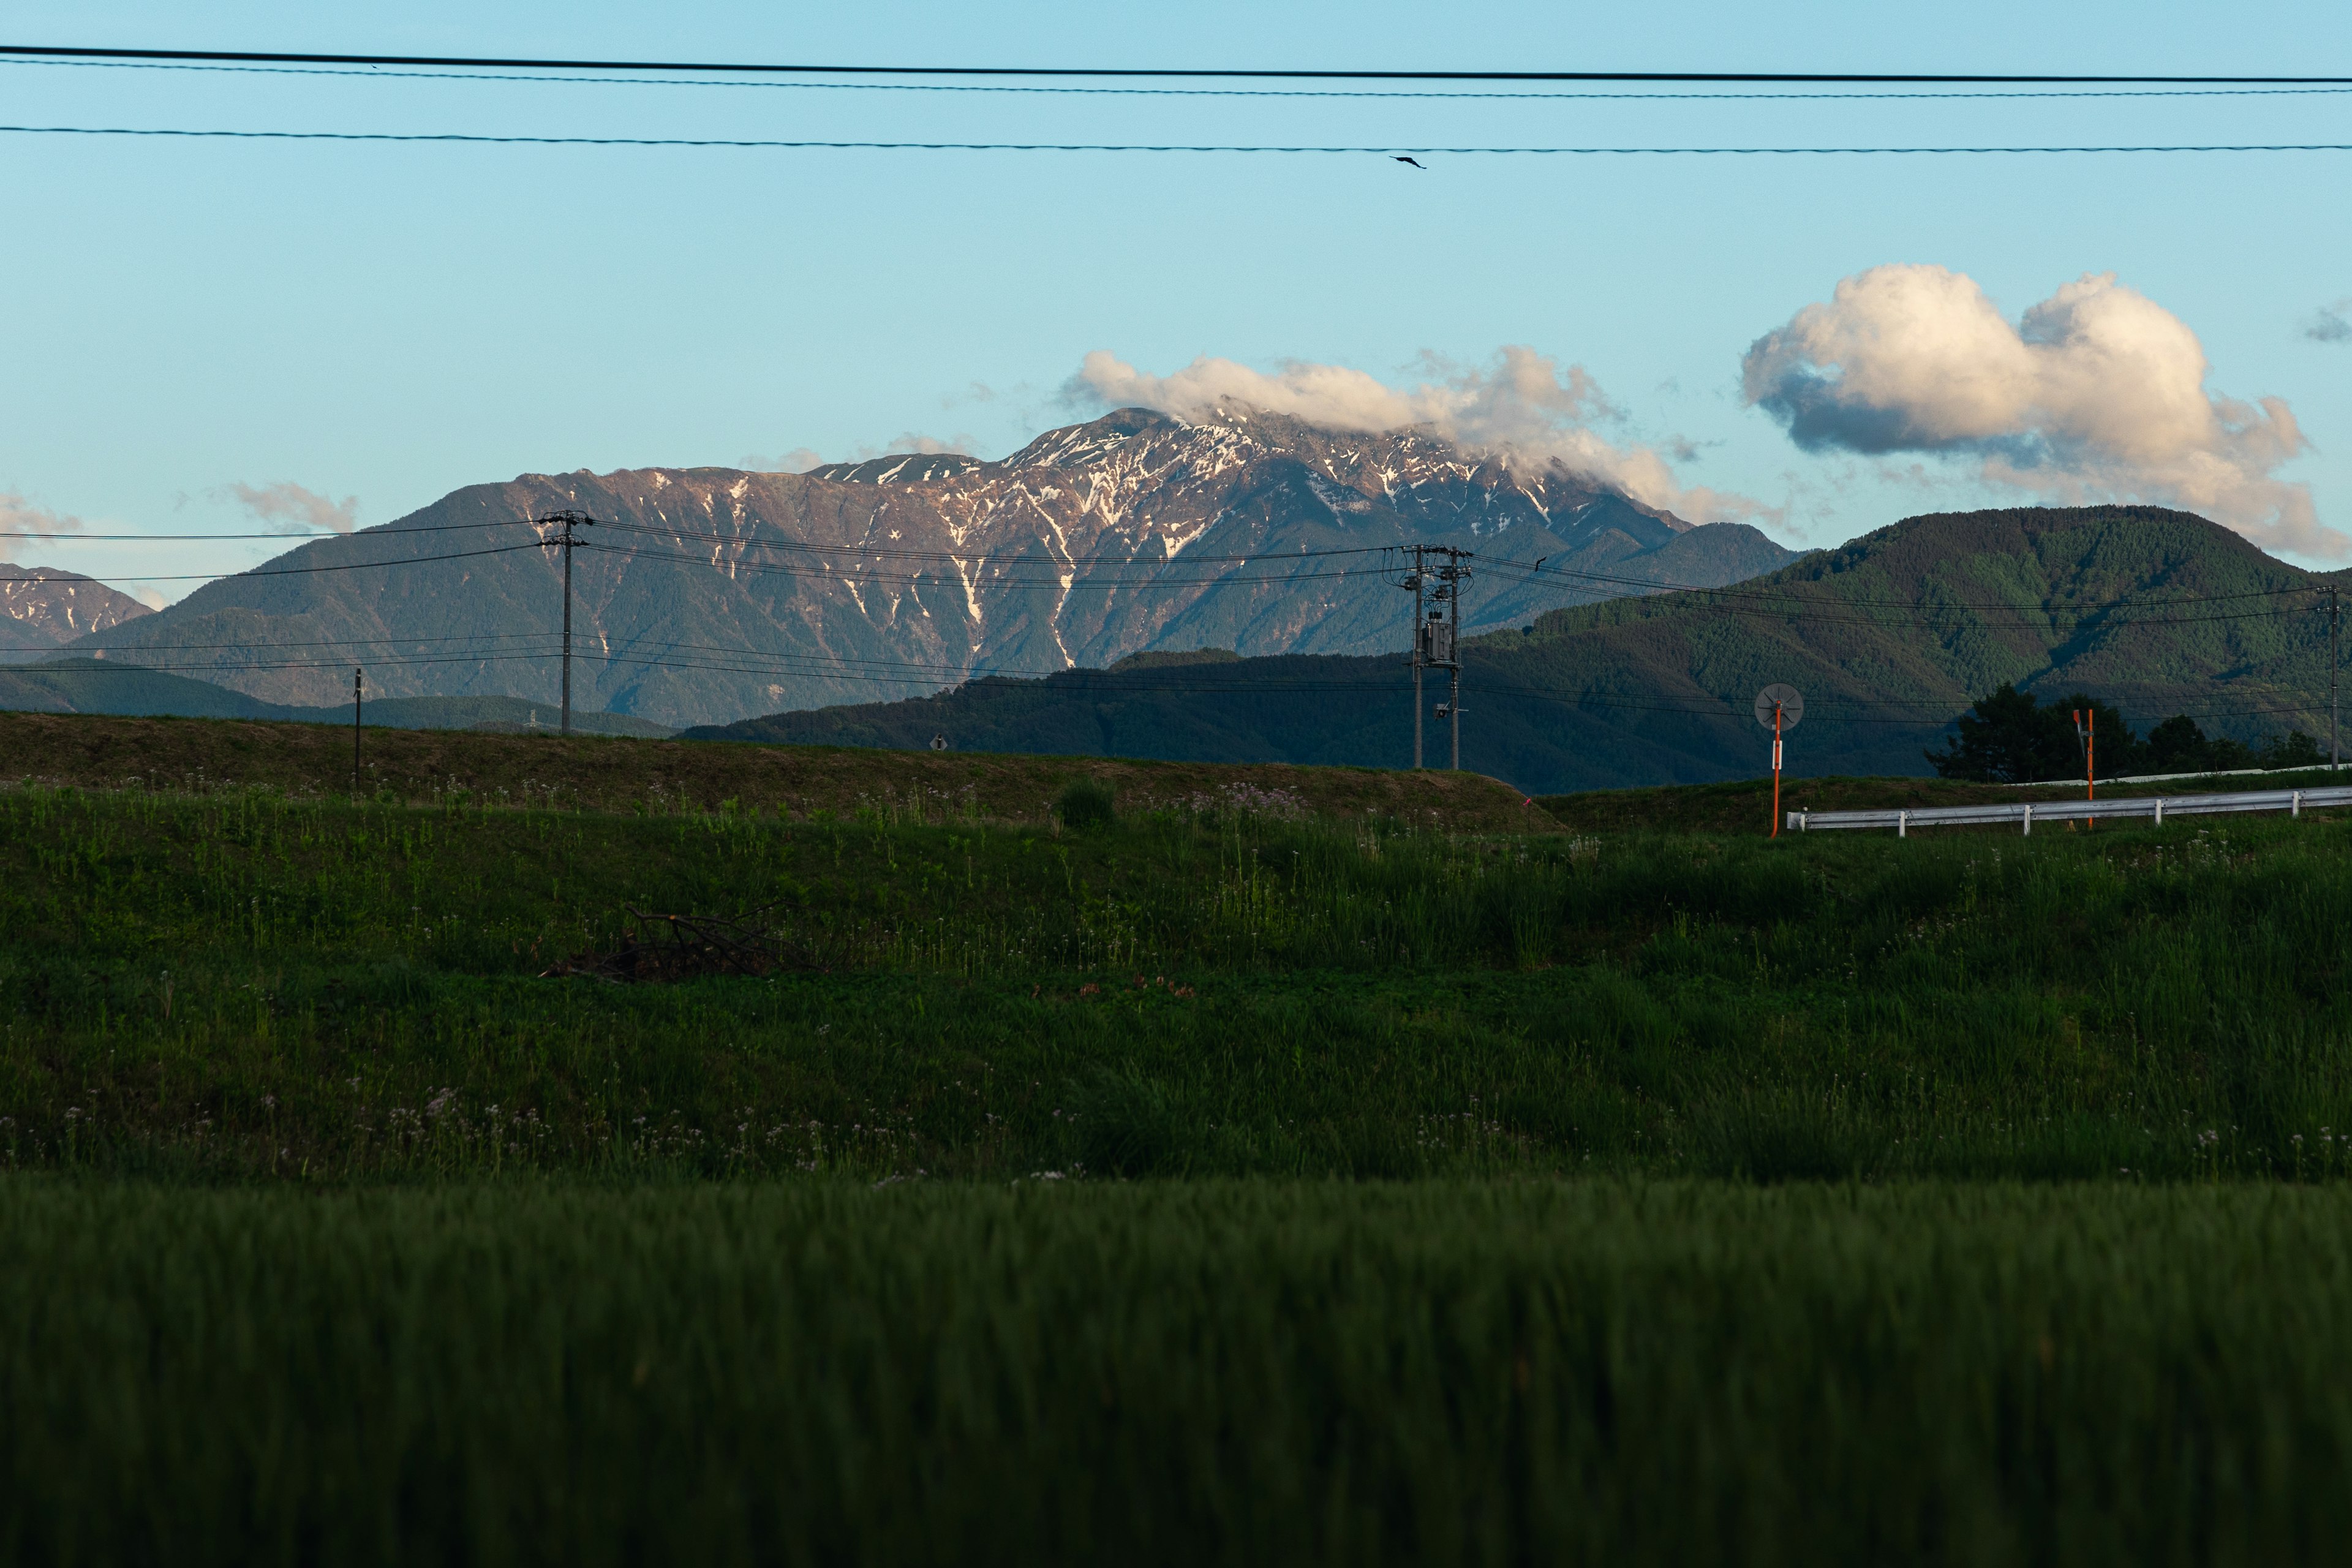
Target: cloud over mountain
x,y
2096,393
1521,401
290,506
19,516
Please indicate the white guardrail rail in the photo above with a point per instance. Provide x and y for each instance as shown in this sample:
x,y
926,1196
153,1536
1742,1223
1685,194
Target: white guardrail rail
x,y
2293,801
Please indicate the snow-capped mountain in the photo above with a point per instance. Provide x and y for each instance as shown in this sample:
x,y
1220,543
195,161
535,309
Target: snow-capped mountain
x,y
709,595
43,609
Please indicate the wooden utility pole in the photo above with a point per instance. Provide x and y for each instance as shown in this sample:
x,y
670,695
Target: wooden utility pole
x,y
355,734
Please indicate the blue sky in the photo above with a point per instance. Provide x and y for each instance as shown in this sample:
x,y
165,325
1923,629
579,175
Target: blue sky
x,y
389,322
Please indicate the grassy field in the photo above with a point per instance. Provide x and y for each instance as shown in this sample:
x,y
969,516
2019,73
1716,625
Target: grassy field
x,y
1175,1373
246,983
1242,1178
611,773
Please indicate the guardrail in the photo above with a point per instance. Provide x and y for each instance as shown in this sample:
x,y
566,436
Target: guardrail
x,y
2293,801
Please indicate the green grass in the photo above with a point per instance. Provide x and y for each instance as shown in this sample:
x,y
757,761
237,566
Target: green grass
x,y
1179,1373
637,776
248,985
1203,1185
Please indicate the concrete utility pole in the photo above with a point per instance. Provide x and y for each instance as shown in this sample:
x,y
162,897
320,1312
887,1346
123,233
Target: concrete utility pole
x,y
2335,620
567,542
1450,578
1436,633
355,734
1417,580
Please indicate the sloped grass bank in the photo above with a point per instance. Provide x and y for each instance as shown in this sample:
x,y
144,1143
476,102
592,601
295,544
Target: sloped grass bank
x,y
637,776
244,985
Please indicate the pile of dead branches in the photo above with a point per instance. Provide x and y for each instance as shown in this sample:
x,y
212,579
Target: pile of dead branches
x,y
661,947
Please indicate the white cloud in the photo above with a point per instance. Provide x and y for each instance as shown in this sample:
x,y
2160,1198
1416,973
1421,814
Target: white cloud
x,y
290,507
1521,402
798,460
19,516
801,460
2096,393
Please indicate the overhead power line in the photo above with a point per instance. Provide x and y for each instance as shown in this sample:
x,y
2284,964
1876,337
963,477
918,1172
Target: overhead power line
x,y
1834,709
1225,73
294,571
1471,95
456,138
297,537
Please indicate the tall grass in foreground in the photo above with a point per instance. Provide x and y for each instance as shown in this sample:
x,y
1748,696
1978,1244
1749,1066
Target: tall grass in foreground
x,y
240,984
1438,1374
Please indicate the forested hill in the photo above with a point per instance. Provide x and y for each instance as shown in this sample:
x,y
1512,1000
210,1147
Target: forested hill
x,y
1889,637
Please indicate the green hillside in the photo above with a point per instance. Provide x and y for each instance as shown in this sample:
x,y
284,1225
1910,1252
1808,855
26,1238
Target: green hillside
x,y
96,686
1889,637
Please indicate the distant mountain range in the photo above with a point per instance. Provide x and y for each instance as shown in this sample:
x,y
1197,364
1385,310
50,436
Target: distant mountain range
x,y
707,595
1888,637
42,610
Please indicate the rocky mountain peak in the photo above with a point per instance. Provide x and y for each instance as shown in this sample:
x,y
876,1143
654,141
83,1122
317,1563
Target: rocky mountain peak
x,y
42,607
709,593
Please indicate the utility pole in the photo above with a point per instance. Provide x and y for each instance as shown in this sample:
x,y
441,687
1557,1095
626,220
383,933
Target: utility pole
x,y
1450,578
1415,582
355,734
1436,633
567,542
2335,620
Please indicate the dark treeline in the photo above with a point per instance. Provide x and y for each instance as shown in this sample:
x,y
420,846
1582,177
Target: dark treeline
x,y
2008,737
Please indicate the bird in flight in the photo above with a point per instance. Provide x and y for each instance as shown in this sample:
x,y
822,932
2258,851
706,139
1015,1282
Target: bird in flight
x,y
1401,158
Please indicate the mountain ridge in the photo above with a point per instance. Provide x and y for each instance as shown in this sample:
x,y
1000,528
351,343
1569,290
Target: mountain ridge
x,y
711,593
42,609
1889,637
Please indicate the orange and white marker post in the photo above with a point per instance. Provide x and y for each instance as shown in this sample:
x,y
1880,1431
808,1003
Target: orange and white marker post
x,y
2086,731
1777,708
1776,770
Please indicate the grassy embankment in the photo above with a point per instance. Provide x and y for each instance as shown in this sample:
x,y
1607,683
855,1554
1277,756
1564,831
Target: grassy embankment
x,y
245,984
418,1259
608,774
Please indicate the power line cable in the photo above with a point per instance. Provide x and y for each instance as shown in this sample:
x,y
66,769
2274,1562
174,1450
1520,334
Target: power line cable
x,y
73,538
455,138
1252,73
885,552
302,571
1220,92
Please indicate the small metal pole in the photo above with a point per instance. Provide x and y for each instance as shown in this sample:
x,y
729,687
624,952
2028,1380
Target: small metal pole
x,y
1453,705
1902,825
2029,819
1776,770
